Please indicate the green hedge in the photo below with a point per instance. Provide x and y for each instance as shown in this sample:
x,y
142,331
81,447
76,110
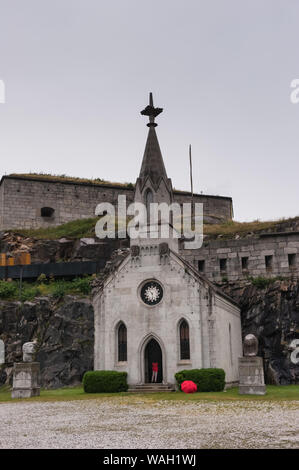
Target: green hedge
x,y
207,380
105,381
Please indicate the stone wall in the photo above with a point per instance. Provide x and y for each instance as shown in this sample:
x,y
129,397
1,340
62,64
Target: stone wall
x,y
22,198
265,255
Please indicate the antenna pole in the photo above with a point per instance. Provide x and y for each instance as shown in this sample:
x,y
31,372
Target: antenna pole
x,y
191,178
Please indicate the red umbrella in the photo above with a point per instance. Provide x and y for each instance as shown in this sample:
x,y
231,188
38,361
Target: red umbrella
x,y
188,386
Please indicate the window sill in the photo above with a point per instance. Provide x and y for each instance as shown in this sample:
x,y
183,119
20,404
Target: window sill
x,y
121,363
184,361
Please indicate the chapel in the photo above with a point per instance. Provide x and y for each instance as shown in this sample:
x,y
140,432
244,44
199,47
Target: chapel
x,y
155,307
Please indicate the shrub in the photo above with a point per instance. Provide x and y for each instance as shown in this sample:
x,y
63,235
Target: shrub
x,y
82,285
261,282
41,278
105,381
7,289
207,380
29,293
59,290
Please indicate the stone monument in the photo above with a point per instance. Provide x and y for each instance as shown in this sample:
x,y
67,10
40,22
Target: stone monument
x,y
26,374
251,370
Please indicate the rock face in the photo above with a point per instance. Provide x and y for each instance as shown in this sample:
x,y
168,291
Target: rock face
x,y
272,315
64,249
65,331
64,335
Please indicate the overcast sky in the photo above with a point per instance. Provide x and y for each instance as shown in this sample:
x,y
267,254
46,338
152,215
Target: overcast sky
x,y
78,72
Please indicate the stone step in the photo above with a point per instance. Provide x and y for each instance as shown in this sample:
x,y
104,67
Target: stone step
x,y
151,388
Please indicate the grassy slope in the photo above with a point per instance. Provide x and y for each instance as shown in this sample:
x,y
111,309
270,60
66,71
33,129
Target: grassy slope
x,y
86,228
75,229
274,393
56,288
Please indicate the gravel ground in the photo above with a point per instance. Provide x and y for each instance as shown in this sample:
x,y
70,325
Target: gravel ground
x,y
144,423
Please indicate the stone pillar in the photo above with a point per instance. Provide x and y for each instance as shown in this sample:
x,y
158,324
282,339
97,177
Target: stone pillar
x,y
251,369
251,376
26,380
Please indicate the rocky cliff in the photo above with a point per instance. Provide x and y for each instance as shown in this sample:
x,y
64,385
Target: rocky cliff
x,y
64,334
270,310
62,249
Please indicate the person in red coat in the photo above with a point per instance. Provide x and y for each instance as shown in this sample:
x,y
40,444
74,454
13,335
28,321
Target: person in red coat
x,y
155,371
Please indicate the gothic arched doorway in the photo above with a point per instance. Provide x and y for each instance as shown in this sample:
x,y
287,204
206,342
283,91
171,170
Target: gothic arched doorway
x,y
152,353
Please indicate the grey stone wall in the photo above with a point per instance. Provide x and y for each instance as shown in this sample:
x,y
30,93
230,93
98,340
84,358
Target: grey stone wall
x,y
281,250
21,200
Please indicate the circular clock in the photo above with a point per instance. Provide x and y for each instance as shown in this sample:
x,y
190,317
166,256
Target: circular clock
x,y
151,293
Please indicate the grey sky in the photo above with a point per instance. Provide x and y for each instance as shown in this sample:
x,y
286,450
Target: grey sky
x,y
78,72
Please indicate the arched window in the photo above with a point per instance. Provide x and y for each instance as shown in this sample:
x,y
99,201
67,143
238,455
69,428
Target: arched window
x,y
122,342
148,200
184,340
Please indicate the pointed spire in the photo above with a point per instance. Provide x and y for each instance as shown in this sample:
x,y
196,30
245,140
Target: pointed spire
x,y
152,163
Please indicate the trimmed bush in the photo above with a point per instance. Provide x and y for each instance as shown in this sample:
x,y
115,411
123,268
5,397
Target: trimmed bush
x,y
105,381
207,380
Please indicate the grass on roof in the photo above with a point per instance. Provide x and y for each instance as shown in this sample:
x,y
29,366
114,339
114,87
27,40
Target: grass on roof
x,y
74,179
231,228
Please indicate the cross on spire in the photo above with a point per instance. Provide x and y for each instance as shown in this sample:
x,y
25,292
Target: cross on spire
x,y
151,112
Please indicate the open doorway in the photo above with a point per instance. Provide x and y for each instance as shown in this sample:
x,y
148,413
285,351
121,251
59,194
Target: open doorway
x,y
152,354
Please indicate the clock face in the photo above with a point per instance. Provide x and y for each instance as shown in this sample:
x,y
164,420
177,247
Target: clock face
x,y
151,293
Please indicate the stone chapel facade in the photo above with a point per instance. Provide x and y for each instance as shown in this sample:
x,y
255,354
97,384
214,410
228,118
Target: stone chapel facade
x,y
156,307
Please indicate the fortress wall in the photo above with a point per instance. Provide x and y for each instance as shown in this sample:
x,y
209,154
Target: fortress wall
x,y
276,247
21,200
214,207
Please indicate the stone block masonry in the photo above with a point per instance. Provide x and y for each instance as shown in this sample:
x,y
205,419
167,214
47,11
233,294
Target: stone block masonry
x,y
251,376
32,202
26,380
266,255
